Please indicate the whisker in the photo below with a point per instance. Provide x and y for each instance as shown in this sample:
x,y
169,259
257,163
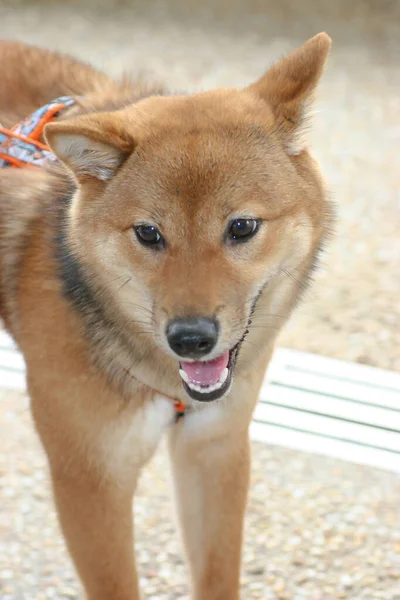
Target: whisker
x,y
257,346
291,276
262,326
268,316
139,306
123,284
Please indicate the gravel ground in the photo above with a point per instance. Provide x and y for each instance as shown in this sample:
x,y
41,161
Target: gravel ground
x,y
317,528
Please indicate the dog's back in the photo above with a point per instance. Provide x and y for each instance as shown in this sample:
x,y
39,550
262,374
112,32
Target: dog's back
x,y
31,77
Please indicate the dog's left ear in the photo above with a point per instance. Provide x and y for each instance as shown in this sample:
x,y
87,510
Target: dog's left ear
x,y
288,87
92,146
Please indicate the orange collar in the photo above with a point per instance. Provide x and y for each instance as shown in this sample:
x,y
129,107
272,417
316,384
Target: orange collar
x,y
20,145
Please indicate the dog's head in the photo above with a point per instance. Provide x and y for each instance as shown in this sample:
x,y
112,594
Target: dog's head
x,y
199,214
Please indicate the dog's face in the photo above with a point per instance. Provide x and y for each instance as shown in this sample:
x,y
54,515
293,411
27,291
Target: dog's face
x,y
191,208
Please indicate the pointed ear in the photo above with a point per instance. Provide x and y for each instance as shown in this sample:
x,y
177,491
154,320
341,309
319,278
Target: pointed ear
x,y
92,146
288,87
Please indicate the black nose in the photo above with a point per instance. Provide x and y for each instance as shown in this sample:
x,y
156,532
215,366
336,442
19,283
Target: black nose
x,y
192,338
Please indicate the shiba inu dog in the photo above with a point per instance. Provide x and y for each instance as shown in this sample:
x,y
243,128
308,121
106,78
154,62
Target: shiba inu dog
x,y
151,247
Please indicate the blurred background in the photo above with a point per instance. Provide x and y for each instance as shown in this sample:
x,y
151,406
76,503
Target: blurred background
x,y
354,311
339,535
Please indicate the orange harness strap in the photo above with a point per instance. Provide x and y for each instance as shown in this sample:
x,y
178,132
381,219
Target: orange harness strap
x,y
20,145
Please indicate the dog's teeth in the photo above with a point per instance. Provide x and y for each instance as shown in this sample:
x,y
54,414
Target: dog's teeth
x,y
184,376
194,386
198,388
224,376
210,388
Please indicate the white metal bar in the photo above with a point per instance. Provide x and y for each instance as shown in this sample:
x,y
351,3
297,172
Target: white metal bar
x,y
326,384
10,359
330,406
333,367
6,341
12,380
306,442
363,434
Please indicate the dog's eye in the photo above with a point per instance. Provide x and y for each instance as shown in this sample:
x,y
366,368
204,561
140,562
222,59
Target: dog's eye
x,y
241,230
149,235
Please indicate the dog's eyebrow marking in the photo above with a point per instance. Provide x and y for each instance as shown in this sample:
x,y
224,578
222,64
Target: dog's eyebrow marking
x,y
154,213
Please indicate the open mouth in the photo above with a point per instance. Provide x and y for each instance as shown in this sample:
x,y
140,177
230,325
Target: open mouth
x,y
209,380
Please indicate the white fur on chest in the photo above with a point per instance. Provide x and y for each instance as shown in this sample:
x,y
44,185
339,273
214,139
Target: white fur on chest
x,y
129,441
204,421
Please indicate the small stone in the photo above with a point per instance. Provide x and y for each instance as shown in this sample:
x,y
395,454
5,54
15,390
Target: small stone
x,y
301,578
298,560
279,586
256,585
68,592
39,493
346,581
256,571
24,469
7,589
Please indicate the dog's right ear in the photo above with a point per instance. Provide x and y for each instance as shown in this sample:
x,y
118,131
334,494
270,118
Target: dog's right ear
x,y
92,146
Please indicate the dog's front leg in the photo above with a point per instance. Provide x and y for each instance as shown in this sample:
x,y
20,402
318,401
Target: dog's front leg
x,y
96,519
211,473
96,448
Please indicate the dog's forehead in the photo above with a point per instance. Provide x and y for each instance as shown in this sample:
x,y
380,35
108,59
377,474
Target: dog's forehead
x,y
205,136
213,170
213,107
193,153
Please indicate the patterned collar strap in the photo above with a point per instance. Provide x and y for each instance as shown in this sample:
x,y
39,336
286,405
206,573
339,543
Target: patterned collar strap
x,y
20,146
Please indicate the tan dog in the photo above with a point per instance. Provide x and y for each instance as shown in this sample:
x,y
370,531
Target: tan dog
x,y
155,263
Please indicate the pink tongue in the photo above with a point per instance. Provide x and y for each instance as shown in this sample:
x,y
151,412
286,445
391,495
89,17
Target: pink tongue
x,y
206,373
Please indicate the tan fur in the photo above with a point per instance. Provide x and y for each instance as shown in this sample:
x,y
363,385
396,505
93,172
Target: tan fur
x,y
88,305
